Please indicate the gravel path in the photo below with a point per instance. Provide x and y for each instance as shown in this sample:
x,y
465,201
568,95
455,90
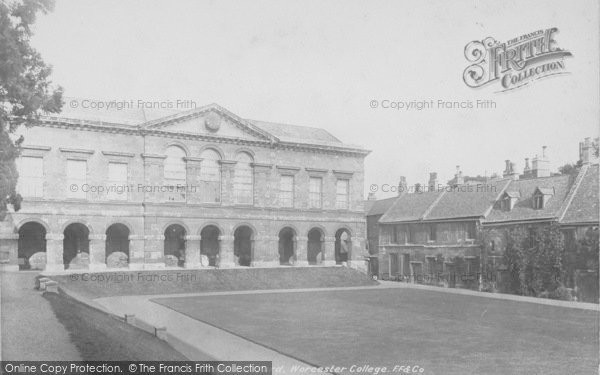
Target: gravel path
x,y
29,329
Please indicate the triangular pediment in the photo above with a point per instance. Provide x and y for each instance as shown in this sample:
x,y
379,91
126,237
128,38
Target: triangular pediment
x,y
212,120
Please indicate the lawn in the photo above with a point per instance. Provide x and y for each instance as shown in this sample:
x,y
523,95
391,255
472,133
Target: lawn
x,y
442,333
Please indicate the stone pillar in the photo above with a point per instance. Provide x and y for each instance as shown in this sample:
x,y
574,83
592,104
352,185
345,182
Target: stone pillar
x,y
226,258
301,251
357,254
192,251
266,252
136,252
97,251
227,175
54,252
154,251
9,249
328,251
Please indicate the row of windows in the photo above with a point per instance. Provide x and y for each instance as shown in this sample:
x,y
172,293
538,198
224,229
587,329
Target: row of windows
x,y
31,180
407,234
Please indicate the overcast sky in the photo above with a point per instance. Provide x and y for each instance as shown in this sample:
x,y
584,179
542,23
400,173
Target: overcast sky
x,y
321,63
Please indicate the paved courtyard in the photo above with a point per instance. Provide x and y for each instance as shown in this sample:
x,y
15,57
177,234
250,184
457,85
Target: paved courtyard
x,y
440,332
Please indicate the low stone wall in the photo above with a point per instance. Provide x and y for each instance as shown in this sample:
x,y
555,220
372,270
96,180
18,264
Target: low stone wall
x,y
107,284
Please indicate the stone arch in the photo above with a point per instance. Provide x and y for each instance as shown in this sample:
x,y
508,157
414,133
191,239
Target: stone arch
x,y
123,222
287,245
117,241
243,244
175,244
178,222
315,245
33,220
78,221
32,240
179,144
76,245
244,224
210,245
244,150
343,245
213,147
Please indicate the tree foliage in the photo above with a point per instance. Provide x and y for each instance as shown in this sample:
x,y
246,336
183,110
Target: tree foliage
x,y
25,88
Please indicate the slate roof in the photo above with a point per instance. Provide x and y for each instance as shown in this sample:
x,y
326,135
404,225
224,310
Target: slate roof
x,y
473,202
298,134
380,206
523,209
584,205
410,207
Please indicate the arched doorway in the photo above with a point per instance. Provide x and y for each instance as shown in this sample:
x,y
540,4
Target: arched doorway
x,y
76,246
175,245
314,249
117,246
209,244
32,240
343,245
287,246
242,245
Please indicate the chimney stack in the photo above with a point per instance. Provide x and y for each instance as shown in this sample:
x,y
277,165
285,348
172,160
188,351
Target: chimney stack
x,y
372,197
459,176
585,148
402,187
433,182
540,166
511,170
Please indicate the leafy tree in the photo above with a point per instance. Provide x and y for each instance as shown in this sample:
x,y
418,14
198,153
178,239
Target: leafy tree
x,y
570,168
25,88
515,259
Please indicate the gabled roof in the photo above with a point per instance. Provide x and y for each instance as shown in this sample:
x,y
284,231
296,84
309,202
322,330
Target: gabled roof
x,y
380,206
297,134
583,206
545,191
410,207
473,202
523,210
513,194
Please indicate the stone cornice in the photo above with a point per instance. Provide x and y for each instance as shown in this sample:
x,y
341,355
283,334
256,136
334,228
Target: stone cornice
x,y
107,127
287,169
343,174
118,153
76,151
262,165
153,156
316,171
36,148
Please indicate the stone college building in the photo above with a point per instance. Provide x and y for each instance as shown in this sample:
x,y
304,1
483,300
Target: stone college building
x,y
140,189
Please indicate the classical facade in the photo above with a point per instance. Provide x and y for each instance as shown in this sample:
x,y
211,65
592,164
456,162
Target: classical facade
x,y
200,188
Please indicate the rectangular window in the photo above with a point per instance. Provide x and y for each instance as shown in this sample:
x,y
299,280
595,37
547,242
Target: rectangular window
x,y
395,234
117,181
242,184
432,232
341,194
31,176
410,234
286,191
471,231
314,196
76,178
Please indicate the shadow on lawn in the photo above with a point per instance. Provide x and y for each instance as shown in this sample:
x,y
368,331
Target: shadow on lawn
x,y
100,337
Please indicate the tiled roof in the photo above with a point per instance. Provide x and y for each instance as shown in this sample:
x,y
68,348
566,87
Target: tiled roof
x,y
523,209
584,205
471,201
380,206
410,207
298,134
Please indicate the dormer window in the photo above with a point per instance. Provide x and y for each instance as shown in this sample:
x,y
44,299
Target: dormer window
x,y
541,196
508,200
